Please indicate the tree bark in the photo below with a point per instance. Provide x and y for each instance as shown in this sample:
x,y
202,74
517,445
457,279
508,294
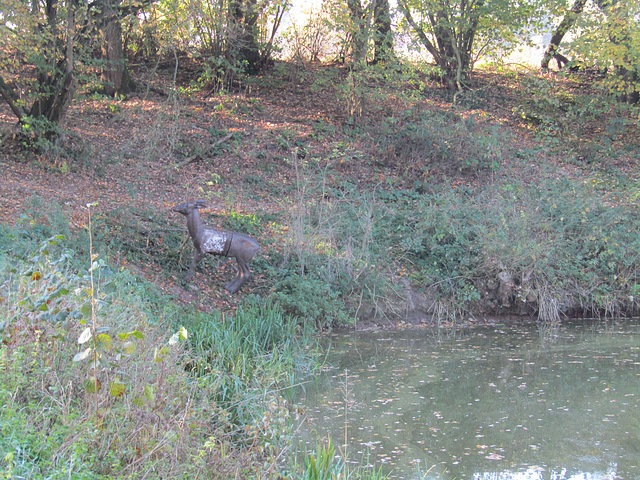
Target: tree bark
x,y
246,50
115,74
359,33
626,67
61,86
451,50
9,96
383,40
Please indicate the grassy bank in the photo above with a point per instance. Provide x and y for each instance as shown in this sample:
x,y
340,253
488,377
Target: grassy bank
x,y
390,203
530,242
103,377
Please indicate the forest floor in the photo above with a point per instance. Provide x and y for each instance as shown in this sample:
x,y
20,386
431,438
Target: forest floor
x,y
239,151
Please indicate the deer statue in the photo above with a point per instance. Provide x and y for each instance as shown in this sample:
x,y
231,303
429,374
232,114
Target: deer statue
x,y
217,242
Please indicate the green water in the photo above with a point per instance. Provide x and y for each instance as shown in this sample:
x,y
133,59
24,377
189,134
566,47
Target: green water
x,y
521,402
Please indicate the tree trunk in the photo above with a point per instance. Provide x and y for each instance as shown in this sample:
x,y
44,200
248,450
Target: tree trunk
x,y
359,33
383,40
631,80
627,67
115,74
567,22
246,49
451,50
60,84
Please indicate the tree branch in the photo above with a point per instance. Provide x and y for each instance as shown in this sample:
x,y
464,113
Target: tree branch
x,y
421,35
567,22
194,157
9,96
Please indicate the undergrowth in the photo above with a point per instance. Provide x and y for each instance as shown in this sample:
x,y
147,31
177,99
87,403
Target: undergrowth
x,y
535,244
116,383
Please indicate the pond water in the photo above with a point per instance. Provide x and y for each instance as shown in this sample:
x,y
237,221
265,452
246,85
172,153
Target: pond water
x,y
519,402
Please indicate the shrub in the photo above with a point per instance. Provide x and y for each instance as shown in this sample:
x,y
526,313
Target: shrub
x,y
336,249
418,141
95,365
547,247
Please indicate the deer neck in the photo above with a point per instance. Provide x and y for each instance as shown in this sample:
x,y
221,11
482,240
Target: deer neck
x,y
194,225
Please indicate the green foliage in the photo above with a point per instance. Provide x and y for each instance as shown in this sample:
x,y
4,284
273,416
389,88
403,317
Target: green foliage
x,y
241,222
323,465
335,250
220,33
37,79
608,38
36,223
566,118
219,74
37,133
88,358
311,299
366,89
454,31
139,234
326,464
422,141
246,356
442,240
518,246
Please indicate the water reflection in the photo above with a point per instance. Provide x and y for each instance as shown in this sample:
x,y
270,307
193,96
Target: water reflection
x,y
538,474
557,401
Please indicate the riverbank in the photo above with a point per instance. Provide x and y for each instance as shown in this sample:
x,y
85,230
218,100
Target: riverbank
x,y
506,202
410,209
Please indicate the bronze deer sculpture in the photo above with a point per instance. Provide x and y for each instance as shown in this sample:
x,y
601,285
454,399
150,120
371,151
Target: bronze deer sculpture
x,y
217,242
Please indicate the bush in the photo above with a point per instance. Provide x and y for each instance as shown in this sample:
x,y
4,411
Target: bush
x,y
565,115
418,142
336,249
312,299
94,364
551,247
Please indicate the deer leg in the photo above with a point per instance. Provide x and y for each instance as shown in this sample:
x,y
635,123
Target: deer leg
x,y
241,278
197,258
232,287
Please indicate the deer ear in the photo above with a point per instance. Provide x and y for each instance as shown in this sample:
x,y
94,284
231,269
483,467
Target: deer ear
x,y
200,204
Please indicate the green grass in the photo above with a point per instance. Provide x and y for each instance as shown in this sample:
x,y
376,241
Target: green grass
x,y
533,241
107,378
326,464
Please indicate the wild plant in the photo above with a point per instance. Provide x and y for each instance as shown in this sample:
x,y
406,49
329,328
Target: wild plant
x,y
336,249
126,405
547,248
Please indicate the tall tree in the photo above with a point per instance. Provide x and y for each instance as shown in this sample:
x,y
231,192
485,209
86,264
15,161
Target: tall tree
x,y
450,29
565,25
250,44
48,40
370,21
245,42
383,36
622,30
108,16
115,74
447,30
360,31
45,36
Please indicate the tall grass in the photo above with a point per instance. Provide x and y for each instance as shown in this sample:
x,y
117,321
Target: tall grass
x,y
148,404
327,464
529,242
554,246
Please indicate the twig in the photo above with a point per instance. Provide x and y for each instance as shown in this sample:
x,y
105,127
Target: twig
x,y
191,159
